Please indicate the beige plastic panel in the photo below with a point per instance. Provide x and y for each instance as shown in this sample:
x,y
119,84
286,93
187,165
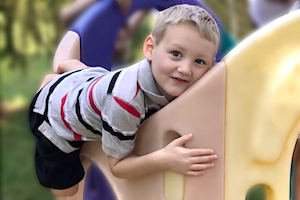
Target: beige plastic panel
x,y
68,48
201,111
263,109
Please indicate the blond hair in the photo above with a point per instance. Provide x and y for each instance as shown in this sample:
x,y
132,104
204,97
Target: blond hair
x,y
191,14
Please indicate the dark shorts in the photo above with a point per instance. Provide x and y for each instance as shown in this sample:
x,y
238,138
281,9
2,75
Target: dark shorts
x,y
55,168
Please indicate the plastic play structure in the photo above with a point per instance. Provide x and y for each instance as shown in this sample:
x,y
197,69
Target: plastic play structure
x,y
246,108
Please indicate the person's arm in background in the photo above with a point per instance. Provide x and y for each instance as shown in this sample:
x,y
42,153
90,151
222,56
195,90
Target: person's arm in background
x,y
70,13
135,20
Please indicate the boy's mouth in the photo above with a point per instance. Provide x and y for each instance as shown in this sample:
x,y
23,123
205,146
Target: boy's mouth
x,y
179,80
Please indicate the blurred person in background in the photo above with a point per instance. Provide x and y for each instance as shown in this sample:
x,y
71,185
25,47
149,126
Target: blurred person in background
x,y
262,12
122,50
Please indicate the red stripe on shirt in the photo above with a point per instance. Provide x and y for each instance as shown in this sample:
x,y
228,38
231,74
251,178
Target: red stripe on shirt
x,y
75,135
129,108
93,105
137,89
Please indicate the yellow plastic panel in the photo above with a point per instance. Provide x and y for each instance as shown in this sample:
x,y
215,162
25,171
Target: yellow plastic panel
x,y
263,109
174,186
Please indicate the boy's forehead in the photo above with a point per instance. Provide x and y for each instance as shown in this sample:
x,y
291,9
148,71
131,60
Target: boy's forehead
x,y
187,37
181,30
169,30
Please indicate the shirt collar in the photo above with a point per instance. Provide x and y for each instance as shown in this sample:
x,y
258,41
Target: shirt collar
x,y
148,83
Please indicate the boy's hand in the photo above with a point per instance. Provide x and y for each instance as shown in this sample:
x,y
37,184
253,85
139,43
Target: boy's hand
x,y
47,78
63,67
190,162
69,66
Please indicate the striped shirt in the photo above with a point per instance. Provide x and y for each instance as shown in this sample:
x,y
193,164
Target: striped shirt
x,y
93,104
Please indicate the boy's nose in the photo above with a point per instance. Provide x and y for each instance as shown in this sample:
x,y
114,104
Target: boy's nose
x,y
185,69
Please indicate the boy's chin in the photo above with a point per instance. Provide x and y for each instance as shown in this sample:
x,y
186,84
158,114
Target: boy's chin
x,y
173,95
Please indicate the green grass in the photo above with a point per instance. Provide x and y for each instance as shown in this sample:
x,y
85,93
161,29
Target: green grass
x,y
17,143
18,81
18,179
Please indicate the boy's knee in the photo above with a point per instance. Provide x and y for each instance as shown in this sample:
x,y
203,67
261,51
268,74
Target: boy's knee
x,y
65,192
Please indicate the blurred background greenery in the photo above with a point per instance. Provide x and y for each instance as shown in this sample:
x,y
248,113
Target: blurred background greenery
x,y
29,34
30,31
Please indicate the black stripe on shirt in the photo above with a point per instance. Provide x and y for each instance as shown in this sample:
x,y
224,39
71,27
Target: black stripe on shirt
x,y
117,134
75,144
113,82
52,89
91,78
86,125
148,114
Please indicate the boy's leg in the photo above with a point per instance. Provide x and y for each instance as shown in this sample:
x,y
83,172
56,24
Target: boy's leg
x,y
55,168
66,192
86,163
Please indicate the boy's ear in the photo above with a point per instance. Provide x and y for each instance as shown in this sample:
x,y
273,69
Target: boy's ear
x,y
213,62
148,47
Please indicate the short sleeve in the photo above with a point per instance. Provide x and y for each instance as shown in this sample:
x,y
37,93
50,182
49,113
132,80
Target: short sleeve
x,y
121,121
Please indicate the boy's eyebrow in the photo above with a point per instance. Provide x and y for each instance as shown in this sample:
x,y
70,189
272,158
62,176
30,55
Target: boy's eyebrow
x,y
180,47
176,45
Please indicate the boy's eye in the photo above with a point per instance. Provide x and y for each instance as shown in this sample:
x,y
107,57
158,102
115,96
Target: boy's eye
x,y
199,61
176,54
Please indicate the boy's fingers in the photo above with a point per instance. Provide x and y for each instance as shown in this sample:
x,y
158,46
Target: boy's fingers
x,y
201,152
200,167
182,140
69,65
195,173
203,159
48,78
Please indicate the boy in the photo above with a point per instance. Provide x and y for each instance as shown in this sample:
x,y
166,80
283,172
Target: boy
x,y
93,104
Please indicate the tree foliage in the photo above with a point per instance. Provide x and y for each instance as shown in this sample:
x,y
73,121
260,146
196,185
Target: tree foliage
x,y
29,27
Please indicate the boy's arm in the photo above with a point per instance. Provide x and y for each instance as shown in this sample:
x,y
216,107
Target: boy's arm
x,y
69,65
63,67
174,157
47,78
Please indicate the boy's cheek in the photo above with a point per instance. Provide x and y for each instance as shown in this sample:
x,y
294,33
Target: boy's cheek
x,y
201,73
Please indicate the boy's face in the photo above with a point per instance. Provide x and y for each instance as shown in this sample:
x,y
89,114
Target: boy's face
x,y
181,58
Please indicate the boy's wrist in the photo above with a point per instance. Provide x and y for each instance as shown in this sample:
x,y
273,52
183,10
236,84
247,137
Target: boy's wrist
x,y
161,160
